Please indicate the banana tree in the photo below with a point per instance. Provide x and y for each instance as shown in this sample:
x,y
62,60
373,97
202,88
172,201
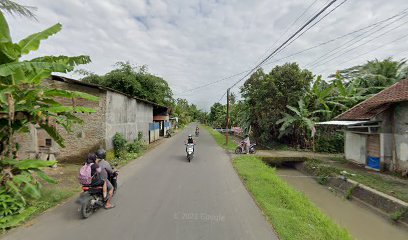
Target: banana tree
x,y
299,123
23,99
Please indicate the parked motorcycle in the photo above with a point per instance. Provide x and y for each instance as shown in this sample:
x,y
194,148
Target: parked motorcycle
x,y
240,149
91,199
190,151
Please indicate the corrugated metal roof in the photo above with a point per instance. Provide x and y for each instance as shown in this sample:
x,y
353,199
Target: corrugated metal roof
x,y
377,103
341,123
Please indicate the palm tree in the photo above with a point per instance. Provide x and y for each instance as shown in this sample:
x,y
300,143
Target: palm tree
x,y
375,75
14,8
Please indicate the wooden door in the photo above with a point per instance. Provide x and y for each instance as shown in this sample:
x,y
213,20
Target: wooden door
x,y
373,145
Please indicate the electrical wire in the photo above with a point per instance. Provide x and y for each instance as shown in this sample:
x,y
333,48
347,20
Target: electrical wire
x,y
370,40
370,27
373,50
312,25
284,43
355,40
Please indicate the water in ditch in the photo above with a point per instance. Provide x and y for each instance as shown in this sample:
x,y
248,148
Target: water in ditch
x,y
362,222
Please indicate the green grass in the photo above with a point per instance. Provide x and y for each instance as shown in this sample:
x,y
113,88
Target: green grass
x,y
387,184
220,139
292,215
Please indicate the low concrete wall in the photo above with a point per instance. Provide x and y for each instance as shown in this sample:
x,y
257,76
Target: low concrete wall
x,y
379,201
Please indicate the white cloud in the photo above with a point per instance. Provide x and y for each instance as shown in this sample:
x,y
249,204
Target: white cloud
x,y
193,42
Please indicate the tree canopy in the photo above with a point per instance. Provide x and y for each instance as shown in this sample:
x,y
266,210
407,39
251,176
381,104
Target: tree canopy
x,y
135,81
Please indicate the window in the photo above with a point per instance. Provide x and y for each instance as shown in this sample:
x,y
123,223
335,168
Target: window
x,y
48,142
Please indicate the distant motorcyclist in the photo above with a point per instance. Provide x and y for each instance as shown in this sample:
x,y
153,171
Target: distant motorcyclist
x,y
197,131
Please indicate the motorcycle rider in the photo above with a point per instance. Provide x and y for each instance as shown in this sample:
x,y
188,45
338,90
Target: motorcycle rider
x,y
105,170
197,130
190,140
98,179
247,143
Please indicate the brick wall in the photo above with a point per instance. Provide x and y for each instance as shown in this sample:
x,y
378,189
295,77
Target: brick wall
x,y
83,139
88,136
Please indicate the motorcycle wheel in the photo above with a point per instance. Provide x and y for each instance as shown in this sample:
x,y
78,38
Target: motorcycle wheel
x,y
86,209
238,150
253,151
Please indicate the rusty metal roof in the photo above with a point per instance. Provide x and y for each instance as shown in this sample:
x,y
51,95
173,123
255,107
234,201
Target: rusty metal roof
x,y
377,103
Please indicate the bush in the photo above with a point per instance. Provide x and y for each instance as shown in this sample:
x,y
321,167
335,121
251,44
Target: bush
x,y
119,144
134,147
20,182
329,141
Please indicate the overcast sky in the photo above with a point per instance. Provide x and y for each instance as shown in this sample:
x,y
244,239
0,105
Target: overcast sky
x,y
191,42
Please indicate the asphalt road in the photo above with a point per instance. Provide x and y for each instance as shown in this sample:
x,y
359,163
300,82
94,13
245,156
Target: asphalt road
x,y
162,196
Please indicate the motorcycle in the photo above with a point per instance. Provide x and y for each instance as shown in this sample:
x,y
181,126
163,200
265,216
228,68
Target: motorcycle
x,y
197,133
91,199
240,148
190,151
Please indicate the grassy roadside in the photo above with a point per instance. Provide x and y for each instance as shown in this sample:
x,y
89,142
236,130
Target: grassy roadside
x,y
220,139
292,215
51,194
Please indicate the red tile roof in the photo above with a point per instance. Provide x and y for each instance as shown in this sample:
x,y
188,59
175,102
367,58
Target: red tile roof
x,y
377,103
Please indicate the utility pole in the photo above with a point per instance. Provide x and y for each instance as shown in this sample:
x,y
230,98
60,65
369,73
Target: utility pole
x,y
227,120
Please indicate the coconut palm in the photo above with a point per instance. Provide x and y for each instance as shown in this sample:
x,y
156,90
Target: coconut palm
x,y
14,8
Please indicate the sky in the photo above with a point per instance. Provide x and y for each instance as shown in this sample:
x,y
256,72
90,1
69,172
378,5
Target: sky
x,y
190,43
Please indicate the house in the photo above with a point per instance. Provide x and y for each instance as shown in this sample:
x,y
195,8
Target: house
x,y
376,130
116,112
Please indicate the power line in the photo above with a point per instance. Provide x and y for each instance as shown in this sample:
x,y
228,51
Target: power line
x,y
352,41
370,27
222,97
378,36
220,80
313,25
291,25
283,44
373,50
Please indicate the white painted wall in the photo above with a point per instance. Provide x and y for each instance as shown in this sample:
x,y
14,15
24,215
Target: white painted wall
x,y
355,147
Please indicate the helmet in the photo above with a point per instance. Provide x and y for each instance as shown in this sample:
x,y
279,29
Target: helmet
x,y
101,153
190,136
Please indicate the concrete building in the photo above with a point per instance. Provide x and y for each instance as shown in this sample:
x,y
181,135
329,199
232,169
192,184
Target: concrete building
x,y
115,113
376,130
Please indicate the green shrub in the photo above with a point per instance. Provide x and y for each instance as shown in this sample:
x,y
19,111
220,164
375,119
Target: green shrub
x,y
349,193
397,215
119,144
134,147
329,141
20,183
